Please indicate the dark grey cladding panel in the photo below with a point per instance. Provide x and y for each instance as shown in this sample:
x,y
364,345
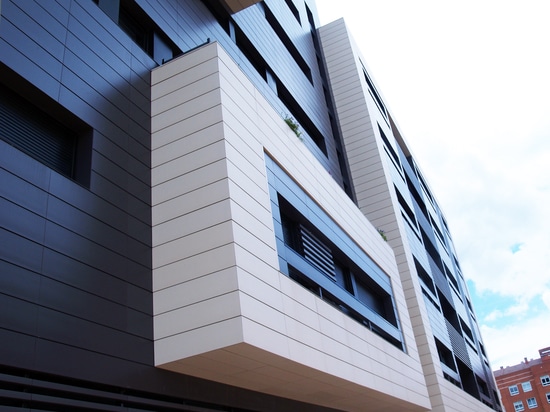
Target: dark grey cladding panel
x,y
16,354
71,272
458,345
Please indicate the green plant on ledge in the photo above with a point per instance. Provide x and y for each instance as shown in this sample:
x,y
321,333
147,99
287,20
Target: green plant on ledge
x,y
383,234
294,126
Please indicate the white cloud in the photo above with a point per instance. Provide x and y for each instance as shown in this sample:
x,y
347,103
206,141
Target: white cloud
x,y
509,345
518,310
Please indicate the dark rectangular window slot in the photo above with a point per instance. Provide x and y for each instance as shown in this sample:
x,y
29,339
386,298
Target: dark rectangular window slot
x,y
260,65
301,117
432,250
317,253
424,276
389,148
437,231
251,53
430,298
375,94
405,206
445,355
424,185
141,29
53,137
452,279
449,312
466,330
307,241
294,10
287,42
310,18
416,195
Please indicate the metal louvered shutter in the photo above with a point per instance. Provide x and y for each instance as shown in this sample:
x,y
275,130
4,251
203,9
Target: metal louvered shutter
x,y
317,253
32,131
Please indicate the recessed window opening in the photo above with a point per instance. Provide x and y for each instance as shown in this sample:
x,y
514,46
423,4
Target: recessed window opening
x,y
416,196
430,298
287,42
482,386
424,186
141,29
374,93
302,237
437,231
445,355
53,136
294,10
389,148
452,279
432,250
327,261
405,206
260,65
449,312
302,118
467,377
424,276
467,331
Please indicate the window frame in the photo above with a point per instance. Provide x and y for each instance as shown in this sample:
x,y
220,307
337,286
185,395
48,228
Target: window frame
x,y
545,380
513,389
48,122
530,405
518,405
526,386
291,204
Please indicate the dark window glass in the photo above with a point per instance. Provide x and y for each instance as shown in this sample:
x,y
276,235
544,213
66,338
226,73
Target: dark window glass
x,y
35,133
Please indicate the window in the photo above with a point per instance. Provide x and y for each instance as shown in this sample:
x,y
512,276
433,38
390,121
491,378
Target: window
x,y
38,126
141,29
374,93
293,9
287,42
526,386
315,252
313,246
548,397
531,403
545,380
513,390
518,406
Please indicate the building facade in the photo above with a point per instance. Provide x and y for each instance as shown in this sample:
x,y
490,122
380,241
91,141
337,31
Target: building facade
x,y
526,386
207,206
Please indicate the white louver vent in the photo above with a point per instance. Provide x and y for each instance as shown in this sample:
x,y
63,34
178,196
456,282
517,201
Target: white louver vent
x,y
317,253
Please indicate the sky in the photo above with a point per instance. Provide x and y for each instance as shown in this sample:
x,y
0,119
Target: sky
x,y
469,85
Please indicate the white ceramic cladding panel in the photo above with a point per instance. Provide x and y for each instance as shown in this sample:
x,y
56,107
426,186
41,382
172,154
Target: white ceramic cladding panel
x,y
222,309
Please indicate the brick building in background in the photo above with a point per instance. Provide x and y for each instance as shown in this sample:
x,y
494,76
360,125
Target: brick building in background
x,y
526,386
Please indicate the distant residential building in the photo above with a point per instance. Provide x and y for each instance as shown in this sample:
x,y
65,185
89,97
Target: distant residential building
x,y
526,386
